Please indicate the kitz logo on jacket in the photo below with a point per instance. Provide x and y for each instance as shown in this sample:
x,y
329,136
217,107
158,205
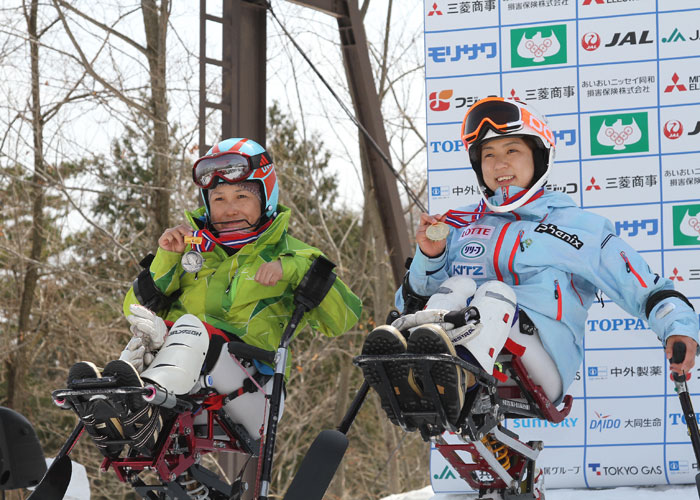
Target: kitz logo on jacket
x,y
552,229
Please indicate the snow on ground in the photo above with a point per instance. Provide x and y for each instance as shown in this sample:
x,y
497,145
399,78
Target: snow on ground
x,y
685,492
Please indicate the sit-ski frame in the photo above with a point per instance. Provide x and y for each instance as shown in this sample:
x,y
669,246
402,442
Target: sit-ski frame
x,y
501,461
179,449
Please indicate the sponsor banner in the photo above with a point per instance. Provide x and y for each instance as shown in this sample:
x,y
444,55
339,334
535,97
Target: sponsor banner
x,y
539,46
676,426
681,176
620,182
682,228
450,98
612,373
568,432
598,8
626,420
443,477
608,40
441,15
638,225
563,467
445,148
617,86
681,464
633,465
680,128
679,82
679,34
452,189
547,91
565,179
461,53
611,327
566,135
619,133
683,268
528,11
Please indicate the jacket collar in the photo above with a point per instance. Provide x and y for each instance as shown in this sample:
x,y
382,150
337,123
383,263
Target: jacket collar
x,y
537,207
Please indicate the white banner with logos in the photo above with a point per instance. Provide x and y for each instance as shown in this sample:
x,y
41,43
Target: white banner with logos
x,y
619,81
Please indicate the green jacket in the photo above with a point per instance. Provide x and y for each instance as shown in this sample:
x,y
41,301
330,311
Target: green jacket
x,y
224,294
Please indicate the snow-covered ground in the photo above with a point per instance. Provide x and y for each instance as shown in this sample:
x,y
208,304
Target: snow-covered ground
x,y
688,492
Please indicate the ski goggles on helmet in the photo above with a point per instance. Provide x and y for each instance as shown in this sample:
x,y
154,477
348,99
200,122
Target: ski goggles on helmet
x,y
230,166
502,117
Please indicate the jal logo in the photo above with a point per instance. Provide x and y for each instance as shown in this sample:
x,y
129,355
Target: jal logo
x,y
629,38
673,129
538,46
472,250
590,41
619,133
686,225
440,100
677,36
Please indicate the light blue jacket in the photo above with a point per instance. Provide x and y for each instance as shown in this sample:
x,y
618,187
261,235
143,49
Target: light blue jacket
x,y
555,256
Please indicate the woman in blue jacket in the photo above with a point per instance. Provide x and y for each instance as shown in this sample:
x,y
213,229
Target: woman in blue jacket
x,y
529,246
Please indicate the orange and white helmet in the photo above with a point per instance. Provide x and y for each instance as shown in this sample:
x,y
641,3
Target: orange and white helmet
x,y
495,117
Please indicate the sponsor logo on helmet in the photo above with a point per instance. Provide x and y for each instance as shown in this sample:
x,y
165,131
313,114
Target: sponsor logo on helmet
x,y
472,250
619,133
538,46
686,225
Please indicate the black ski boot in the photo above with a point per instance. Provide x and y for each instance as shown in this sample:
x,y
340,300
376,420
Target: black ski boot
x,y
143,421
100,417
450,379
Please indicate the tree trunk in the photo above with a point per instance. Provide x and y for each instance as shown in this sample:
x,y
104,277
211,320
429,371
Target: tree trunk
x,y
155,20
15,365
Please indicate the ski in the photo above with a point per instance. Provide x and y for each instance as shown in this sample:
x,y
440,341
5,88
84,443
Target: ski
x,y
55,482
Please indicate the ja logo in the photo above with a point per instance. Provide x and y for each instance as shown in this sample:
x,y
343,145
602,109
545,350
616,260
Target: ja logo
x,y
538,46
686,225
619,133
445,474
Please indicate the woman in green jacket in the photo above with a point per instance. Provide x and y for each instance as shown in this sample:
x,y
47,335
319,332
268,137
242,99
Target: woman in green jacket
x,y
228,275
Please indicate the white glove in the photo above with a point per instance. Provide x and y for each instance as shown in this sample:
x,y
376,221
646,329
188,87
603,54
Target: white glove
x,y
134,353
423,317
148,326
463,334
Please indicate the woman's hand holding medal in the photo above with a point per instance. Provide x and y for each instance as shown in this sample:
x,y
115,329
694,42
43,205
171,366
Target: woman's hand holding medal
x,y
173,239
431,234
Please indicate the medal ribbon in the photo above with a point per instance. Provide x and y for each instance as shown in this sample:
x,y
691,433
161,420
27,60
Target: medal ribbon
x,y
457,218
232,239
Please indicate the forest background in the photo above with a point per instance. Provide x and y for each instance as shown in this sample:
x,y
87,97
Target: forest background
x,y
98,133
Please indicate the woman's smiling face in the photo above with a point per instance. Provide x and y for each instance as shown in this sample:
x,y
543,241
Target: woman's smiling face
x,y
507,161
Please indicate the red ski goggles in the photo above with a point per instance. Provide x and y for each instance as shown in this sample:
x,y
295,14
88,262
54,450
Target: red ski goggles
x,y
230,166
501,116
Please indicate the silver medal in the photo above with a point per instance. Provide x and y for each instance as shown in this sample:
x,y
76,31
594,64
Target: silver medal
x,y
437,231
192,261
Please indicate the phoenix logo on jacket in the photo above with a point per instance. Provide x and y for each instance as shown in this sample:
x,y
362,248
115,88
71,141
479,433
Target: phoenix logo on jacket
x,y
552,229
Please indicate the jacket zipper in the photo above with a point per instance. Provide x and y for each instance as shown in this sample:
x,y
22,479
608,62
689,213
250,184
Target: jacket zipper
x,y
557,296
516,279
497,251
630,269
572,286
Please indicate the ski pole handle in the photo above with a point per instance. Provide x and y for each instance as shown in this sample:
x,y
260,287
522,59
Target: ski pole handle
x,y
677,358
